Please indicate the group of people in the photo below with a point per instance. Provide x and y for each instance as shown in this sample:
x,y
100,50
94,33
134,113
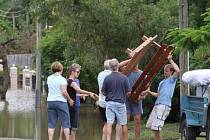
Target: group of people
x,y
115,104
62,100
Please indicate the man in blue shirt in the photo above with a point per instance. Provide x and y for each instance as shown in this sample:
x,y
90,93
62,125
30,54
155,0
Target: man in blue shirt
x,y
116,88
102,102
135,108
164,96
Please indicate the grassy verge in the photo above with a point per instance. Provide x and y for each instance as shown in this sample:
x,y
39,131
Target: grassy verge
x,y
170,132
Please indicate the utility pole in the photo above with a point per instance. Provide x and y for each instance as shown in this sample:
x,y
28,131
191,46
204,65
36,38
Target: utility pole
x,y
38,83
38,64
184,55
13,21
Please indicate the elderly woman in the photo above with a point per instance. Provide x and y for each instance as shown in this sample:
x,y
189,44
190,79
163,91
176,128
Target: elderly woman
x,y
57,106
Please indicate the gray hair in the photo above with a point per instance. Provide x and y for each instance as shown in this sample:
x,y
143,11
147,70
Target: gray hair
x,y
106,64
73,67
114,64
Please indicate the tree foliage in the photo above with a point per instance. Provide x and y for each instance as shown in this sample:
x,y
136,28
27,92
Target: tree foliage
x,y
194,40
6,31
93,31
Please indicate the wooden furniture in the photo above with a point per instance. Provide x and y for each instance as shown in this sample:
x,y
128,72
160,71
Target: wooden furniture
x,y
151,69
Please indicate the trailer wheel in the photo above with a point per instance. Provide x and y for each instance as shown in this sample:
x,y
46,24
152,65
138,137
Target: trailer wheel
x,y
208,129
187,133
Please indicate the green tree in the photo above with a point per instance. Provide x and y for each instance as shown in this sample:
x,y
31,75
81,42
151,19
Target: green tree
x,y
13,40
196,41
88,32
6,33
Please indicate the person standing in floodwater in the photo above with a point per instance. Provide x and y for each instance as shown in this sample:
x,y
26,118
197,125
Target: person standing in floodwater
x,y
102,102
57,106
116,87
73,89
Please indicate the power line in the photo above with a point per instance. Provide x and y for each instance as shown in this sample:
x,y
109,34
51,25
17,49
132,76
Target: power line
x,y
5,16
15,12
12,14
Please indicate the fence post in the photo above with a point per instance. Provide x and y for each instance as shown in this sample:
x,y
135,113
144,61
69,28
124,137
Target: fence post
x,y
13,77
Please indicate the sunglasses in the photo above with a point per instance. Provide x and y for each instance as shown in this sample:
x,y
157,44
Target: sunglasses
x,y
77,72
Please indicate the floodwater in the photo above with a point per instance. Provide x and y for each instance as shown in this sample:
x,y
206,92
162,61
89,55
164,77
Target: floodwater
x,y
17,119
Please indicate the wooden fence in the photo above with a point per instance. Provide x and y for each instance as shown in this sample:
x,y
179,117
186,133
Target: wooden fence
x,y
20,60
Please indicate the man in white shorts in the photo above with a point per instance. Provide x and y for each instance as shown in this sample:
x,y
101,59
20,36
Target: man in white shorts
x,y
164,95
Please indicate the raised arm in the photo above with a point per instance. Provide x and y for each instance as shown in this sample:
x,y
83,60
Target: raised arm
x,y
123,63
176,67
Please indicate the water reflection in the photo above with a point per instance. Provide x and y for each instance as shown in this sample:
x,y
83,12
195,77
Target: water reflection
x,y
89,124
17,115
38,127
17,119
90,127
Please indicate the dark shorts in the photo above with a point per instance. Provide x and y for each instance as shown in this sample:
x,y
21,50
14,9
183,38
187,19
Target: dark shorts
x,y
74,117
134,108
103,113
55,110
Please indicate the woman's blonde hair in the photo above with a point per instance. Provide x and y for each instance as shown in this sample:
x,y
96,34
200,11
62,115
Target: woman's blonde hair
x,y
56,67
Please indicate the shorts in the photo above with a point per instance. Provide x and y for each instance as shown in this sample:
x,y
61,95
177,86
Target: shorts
x,y
74,117
157,117
118,110
134,108
55,110
103,113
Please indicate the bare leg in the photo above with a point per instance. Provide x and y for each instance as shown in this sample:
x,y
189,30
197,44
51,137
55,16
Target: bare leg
x,y
137,126
109,131
157,135
73,135
66,133
50,133
125,132
104,132
118,132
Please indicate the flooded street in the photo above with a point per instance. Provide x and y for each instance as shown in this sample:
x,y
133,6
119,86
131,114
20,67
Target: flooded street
x,y
17,115
17,119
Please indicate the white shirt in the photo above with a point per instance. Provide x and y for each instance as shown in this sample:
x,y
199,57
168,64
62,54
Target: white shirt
x,y
54,82
101,77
